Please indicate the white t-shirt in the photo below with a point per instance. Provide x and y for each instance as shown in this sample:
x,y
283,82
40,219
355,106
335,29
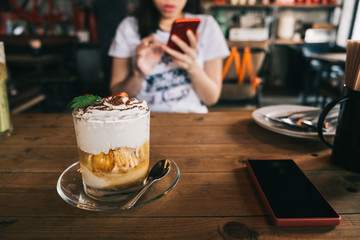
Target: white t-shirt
x,y
168,88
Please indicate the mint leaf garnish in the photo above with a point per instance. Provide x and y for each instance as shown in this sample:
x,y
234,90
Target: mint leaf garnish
x,y
84,101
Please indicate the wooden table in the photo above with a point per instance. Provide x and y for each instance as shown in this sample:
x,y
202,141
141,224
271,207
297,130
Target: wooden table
x,y
214,199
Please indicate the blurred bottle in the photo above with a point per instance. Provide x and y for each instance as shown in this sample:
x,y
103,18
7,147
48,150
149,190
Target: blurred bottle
x,y
5,122
286,25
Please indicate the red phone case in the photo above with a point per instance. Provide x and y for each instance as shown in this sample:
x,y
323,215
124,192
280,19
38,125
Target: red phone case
x,y
287,222
179,28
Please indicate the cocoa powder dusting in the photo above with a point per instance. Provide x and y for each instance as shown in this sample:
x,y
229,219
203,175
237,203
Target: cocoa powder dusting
x,y
116,101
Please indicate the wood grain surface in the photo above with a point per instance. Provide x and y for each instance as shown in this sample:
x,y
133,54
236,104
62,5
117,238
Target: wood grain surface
x,y
214,199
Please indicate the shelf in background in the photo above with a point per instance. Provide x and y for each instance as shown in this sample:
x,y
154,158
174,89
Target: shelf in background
x,y
288,41
228,5
270,6
279,41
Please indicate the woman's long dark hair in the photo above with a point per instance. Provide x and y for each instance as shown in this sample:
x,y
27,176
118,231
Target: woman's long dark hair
x,y
148,16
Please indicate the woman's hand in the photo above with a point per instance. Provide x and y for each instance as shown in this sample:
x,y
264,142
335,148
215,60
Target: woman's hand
x,y
184,60
207,81
148,54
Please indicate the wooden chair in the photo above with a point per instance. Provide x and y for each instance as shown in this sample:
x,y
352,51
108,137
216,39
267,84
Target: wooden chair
x,y
321,77
44,69
23,96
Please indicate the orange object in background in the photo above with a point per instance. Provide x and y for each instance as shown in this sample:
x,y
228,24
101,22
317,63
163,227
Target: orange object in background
x,y
256,83
219,1
234,55
241,67
246,65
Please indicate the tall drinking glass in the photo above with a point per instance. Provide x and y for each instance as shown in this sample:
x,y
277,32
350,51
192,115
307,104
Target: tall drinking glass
x,y
5,122
113,144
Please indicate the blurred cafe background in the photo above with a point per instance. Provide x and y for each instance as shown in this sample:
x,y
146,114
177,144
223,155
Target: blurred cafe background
x,y
57,49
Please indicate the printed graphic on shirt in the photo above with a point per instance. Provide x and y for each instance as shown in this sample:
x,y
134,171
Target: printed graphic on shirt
x,y
166,59
172,85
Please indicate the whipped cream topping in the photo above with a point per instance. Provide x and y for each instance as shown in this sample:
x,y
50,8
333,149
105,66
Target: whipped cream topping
x,y
111,124
113,108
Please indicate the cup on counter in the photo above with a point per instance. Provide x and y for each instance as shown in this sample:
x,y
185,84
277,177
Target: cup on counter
x,y
286,25
113,145
346,146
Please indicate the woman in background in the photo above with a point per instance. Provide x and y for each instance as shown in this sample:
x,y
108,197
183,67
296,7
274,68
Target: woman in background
x,y
170,81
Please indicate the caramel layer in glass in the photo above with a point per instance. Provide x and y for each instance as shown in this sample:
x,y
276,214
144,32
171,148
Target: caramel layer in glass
x,y
119,163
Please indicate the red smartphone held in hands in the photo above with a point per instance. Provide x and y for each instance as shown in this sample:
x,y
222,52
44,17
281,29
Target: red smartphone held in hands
x,y
180,27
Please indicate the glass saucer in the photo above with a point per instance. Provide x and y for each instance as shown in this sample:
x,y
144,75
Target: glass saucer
x,y
70,188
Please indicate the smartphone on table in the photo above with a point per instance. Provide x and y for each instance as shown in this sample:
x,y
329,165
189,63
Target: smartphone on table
x,y
180,27
289,196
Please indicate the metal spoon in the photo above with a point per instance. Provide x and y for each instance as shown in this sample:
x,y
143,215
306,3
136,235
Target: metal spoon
x,y
303,125
310,124
158,171
302,114
287,122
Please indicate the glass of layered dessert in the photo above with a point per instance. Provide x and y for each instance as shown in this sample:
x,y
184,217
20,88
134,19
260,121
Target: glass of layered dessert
x,y
112,136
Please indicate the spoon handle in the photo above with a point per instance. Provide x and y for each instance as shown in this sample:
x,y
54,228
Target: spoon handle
x,y
130,203
285,123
